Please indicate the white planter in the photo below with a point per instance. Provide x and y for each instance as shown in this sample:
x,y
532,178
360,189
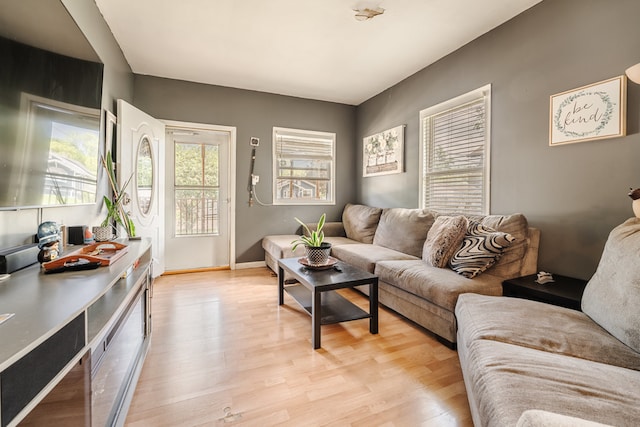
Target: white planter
x,y
103,234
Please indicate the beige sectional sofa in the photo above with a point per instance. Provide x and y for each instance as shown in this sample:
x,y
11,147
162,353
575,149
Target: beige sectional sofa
x,y
570,368
389,242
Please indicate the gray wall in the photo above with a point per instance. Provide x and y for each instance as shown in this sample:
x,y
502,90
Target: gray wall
x,y
574,193
255,114
118,78
18,227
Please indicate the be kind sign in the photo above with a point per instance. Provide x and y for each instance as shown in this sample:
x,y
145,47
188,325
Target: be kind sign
x,y
591,112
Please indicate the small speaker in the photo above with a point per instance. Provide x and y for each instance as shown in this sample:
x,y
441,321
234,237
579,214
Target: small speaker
x,y
76,234
17,257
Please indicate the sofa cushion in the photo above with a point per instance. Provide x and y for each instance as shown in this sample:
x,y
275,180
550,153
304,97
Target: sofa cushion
x,y
360,222
481,248
337,241
504,380
443,239
440,286
335,229
279,246
557,329
612,296
365,256
404,230
516,225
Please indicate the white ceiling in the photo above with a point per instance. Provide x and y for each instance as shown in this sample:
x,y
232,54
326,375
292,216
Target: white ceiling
x,y
306,48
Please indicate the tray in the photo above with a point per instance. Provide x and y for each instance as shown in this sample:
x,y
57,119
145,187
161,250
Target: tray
x,y
105,253
330,263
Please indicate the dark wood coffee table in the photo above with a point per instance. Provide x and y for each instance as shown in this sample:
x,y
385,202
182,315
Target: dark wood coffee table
x,y
315,292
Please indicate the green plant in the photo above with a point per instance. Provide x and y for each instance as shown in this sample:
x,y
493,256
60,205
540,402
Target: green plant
x,y
115,206
311,238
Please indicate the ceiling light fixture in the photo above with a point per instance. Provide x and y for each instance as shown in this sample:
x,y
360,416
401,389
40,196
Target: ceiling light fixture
x,y
366,13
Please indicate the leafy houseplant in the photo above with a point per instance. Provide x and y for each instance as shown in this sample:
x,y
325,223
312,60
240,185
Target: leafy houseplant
x,y
115,206
316,248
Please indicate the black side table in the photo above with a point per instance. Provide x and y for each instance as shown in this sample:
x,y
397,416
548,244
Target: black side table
x,y
563,291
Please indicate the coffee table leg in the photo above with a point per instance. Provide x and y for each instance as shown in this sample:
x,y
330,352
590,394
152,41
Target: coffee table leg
x,y
280,286
316,316
373,307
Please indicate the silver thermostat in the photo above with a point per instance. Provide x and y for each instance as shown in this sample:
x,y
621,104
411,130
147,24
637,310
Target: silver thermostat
x,y
255,141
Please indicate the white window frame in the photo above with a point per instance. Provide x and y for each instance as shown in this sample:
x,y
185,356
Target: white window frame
x,y
214,229
34,110
303,136
482,92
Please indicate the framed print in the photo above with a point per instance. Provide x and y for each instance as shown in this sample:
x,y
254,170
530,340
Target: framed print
x,y
383,153
595,111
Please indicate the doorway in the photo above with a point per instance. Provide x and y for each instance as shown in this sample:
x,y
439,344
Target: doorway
x,y
200,190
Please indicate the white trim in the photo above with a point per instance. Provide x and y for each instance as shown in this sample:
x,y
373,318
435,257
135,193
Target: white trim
x,y
323,137
484,91
245,265
457,101
231,176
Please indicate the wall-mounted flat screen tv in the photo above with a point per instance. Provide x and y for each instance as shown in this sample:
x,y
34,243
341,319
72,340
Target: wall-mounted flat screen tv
x,y
50,111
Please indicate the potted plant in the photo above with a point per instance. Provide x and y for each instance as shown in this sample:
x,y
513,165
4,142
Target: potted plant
x,y
115,207
316,248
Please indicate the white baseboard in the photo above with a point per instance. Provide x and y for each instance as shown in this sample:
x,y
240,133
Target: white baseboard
x,y
255,264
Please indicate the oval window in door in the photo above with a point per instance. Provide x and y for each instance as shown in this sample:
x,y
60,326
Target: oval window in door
x,y
144,176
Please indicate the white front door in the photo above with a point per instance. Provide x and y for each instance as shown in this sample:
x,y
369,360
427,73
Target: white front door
x,y
140,157
199,200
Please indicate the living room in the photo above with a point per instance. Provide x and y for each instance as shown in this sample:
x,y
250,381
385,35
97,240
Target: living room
x,y
575,194
546,50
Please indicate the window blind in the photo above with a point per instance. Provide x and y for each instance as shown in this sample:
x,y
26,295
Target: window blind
x,y
455,162
303,166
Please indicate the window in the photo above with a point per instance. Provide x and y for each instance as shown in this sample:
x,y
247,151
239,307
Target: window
x,y
303,167
455,154
58,162
196,189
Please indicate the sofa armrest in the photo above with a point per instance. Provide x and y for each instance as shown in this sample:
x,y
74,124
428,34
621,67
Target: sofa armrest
x,y
540,418
530,261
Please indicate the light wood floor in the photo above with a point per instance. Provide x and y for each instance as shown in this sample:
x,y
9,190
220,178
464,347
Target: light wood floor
x,y
224,353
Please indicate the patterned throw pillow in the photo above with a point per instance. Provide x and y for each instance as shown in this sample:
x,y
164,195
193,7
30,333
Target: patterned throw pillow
x,y
443,240
481,248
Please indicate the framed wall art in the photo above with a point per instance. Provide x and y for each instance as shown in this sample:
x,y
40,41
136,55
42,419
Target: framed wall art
x,y
595,111
383,153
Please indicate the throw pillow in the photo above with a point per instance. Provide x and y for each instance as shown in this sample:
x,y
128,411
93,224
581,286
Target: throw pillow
x,y
404,230
511,261
443,240
481,248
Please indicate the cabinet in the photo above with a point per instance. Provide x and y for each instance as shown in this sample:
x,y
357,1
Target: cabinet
x,y
73,351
